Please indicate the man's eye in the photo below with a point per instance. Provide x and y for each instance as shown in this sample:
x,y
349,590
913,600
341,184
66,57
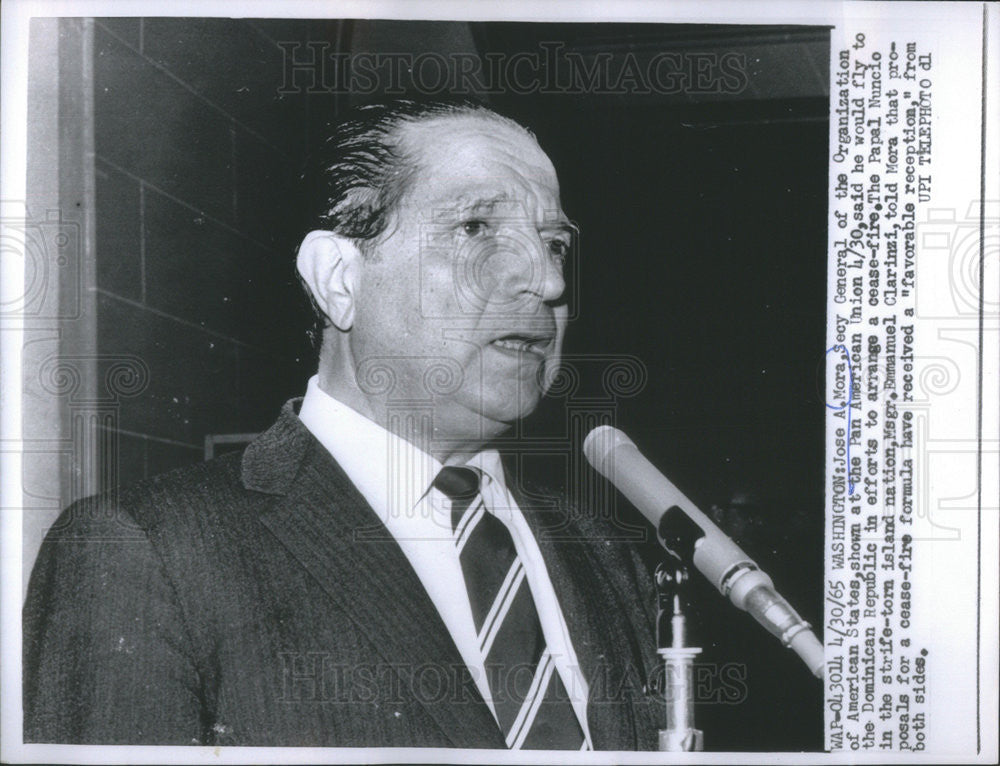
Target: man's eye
x,y
474,227
559,248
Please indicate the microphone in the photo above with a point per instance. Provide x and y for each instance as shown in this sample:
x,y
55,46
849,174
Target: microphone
x,y
691,536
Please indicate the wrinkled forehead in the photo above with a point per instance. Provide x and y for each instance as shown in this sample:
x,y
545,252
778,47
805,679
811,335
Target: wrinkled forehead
x,y
470,161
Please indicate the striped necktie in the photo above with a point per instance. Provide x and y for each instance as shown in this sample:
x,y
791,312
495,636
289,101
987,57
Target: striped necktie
x,y
532,705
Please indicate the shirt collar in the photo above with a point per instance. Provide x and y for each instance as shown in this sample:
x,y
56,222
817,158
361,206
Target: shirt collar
x,y
488,463
392,473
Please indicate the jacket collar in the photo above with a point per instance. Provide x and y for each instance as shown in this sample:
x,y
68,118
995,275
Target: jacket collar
x,y
272,460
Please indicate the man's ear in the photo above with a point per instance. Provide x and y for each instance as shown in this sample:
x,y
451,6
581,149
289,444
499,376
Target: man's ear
x,y
328,264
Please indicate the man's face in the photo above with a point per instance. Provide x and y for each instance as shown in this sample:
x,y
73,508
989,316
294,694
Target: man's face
x,y
459,297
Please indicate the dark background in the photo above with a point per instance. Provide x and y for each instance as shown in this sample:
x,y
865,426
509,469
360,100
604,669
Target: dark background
x,y
702,255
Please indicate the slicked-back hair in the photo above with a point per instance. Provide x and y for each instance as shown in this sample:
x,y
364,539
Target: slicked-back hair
x,y
355,181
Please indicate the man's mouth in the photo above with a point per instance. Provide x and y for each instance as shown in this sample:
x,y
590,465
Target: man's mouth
x,y
523,344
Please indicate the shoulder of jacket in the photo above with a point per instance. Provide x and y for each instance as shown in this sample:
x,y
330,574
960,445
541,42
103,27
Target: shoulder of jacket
x,y
168,499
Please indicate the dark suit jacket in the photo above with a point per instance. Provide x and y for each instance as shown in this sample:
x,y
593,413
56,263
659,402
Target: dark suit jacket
x,y
257,600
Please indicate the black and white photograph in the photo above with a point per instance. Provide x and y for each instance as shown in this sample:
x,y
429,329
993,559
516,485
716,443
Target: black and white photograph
x,y
433,385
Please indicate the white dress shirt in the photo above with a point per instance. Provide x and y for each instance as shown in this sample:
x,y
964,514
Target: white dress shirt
x,y
395,477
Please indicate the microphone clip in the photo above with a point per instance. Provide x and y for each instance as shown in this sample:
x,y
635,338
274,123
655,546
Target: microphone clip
x,y
680,734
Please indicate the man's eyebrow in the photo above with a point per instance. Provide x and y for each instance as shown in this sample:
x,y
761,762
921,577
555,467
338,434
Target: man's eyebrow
x,y
470,202
554,221
563,225
476,203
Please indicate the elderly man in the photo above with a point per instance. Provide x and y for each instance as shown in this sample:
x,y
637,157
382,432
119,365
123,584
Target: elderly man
x,y
366,573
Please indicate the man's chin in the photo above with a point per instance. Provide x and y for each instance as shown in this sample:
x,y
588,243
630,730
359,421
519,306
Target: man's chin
x,y
512,406
518,396
497,411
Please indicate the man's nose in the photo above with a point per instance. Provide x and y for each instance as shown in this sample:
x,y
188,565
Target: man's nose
x,y
541,271
553,276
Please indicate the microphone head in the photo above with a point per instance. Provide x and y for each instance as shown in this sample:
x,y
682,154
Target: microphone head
x,y
601,443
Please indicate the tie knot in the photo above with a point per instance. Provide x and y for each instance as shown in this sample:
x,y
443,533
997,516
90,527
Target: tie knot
x,y
458,483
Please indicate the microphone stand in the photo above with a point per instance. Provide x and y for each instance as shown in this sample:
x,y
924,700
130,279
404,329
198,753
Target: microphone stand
x,y
680,734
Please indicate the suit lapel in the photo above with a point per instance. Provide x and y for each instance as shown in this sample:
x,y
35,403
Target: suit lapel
x,y
595,617
321,518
